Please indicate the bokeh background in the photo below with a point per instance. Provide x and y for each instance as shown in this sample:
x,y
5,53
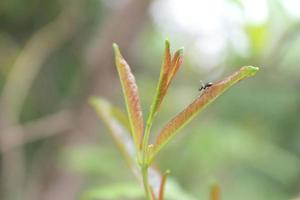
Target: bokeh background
x,y
55,54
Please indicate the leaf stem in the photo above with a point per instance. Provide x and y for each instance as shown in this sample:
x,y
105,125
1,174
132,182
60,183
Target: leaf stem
x,y
146,135
145,157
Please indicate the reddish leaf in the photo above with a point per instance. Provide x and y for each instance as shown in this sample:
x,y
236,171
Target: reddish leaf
x,y
163,79
209,95
162,185
131,96
169,68
176,63
167,57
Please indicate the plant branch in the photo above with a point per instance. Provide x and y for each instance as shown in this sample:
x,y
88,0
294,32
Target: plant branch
x,y
146,182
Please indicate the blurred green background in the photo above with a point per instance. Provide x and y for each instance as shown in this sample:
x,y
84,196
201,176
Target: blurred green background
x,y
55,54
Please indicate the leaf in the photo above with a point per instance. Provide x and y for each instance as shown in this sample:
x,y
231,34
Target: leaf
x,y
168,70
131,96
208,96
121,137
215,192
121,117
162,83
162,185
118,131
177,61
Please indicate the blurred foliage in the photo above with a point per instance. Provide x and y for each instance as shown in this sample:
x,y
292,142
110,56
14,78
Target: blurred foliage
x,y
248,140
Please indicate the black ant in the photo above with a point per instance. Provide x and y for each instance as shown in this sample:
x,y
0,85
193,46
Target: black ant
x,y
204,87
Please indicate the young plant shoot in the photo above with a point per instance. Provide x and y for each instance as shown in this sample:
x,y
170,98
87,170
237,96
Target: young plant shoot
x,y
130,132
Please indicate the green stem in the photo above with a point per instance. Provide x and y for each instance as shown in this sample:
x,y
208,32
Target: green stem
x,y
147,134
146,183
144,163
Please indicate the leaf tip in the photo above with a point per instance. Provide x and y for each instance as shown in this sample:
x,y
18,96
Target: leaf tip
x,y
167,42
181,50
250,70
116,50
96,102
115,45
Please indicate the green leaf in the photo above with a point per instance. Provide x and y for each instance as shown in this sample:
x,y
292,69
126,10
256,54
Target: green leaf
x,y
121,117
131,96
121,137
208,96
117,129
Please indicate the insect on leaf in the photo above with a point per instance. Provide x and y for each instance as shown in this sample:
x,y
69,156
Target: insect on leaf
x,y
208,96
131,96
